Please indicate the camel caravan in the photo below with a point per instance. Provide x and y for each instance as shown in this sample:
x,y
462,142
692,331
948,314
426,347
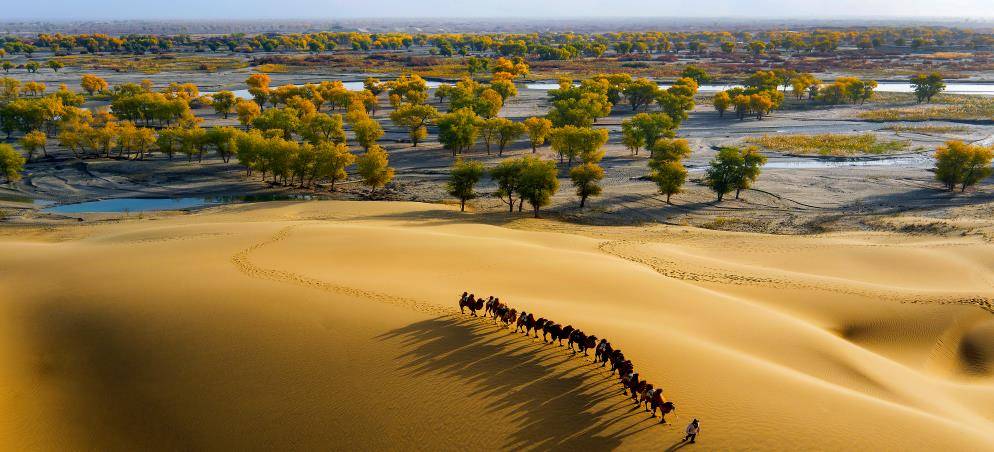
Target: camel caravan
x,y
642,392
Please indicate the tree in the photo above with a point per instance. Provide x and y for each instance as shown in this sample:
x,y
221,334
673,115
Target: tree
x,y
247,112
374,167
721,103
959,163
583,142
506,132
757,47
586,180
538,182
927,86
285,120
507,175
457,131
259,88
223,102
488,131
367,131
669,149
802,83
650,127
318,128
415,118
669,177
733,169
697,74
538,130
93,84
55,65
331,161
464,177
32,141
32,66
11,163
640,93
374,85
488,103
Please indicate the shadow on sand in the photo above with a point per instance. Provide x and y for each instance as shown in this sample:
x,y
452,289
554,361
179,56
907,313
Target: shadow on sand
x,y
557,402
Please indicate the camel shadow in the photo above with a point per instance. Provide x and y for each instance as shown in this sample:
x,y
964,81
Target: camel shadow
x,y
556,401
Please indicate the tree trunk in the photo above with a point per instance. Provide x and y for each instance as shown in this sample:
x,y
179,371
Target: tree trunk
x,y
462,205
737,190
668,198
521,204
583,200
536,210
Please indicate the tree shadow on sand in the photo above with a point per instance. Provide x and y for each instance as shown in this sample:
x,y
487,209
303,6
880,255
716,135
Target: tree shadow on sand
x,y
557,402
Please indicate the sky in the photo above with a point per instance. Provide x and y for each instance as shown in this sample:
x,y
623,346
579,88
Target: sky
x,y
332,9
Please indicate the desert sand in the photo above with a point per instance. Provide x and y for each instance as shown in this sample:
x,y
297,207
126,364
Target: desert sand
x,y
334,325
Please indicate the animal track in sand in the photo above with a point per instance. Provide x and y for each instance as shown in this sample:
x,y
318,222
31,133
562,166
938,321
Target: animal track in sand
x,y
244,264
671,269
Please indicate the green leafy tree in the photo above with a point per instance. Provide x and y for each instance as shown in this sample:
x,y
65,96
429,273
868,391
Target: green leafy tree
x,y
538,130
331,162
286,120
733,169
650,127
696,74
506,132
463,179
457,131
11,163
367,131
32,141
318,128
415,118
374,167
586,180
641,93
721,103
927,86
538,182
959,163
507,176
223,102
669,177
583,142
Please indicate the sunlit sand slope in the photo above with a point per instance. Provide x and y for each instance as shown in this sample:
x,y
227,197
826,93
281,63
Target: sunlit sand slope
x,y
334,325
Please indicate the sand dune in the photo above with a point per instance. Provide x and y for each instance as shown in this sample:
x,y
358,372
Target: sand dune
x,y
333,324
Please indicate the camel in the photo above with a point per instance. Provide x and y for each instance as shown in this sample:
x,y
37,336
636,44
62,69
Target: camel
x,y
523,321
539,324
603,352
552,329
665,407
566,332
645,395
470,302
509,317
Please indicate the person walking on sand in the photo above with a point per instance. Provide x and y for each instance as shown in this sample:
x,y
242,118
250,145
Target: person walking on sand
x,y
693,429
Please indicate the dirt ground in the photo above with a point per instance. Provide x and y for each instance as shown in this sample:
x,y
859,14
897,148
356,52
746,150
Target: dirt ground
x,y
794,194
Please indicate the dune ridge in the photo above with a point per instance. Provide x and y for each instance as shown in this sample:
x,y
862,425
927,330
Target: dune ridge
x,y
307,324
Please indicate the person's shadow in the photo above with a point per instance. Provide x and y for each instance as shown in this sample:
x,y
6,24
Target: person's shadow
x,y
678,446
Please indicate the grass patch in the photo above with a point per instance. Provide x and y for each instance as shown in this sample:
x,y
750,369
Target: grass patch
x,y
151,64
958,109
272,68
927,129
830,144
